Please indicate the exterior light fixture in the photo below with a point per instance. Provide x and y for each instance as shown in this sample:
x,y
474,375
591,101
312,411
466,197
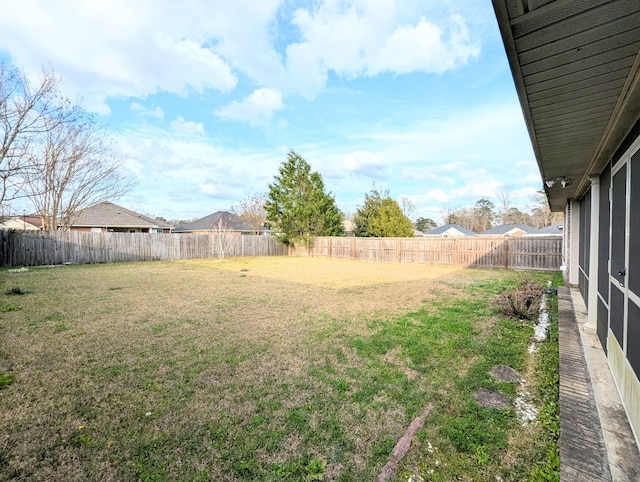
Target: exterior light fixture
x,y
563,181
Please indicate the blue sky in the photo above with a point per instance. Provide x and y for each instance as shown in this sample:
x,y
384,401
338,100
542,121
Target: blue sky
x,y
206,98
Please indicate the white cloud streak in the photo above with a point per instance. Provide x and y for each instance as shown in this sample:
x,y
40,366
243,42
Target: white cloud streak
x,y
257,108
183,126
139,109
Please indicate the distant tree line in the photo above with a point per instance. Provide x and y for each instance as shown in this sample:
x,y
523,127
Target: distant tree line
x,y
483,214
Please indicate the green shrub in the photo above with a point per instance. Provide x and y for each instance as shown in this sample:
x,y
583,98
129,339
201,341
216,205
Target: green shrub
x,y
16,290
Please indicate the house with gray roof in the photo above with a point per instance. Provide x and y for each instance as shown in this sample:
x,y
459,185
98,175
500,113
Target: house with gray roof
x,y
109,217
219,221
511,230
553,230
450,231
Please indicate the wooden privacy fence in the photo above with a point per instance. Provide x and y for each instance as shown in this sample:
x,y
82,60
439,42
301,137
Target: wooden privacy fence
x,y
534,253
39,248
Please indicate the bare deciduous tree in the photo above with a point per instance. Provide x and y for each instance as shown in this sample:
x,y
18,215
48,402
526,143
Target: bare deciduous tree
x,y
52,151
26,112
221,240
251,211
407,206
505,199
541,214
72,165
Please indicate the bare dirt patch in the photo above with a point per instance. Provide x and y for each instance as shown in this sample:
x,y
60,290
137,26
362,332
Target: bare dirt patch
x,y
490,399
505,374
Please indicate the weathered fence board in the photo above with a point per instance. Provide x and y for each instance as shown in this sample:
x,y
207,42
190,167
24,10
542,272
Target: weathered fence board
x,y
536,253
38,248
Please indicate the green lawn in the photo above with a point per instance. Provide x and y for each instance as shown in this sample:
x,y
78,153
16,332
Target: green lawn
x,y
266,369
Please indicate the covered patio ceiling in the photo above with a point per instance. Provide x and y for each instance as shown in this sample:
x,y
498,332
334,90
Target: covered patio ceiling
x,y
576,66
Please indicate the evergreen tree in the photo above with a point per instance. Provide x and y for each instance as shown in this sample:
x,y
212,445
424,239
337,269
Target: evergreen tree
x,y
380,216
484,214
297,206
425,224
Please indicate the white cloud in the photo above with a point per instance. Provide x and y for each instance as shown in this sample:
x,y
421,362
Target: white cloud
x,y
475,188
118,48
187,127
135,49
191,176
418,174
452,166
139,109
426,47
365,163
437,195
257,108
355,38
526,171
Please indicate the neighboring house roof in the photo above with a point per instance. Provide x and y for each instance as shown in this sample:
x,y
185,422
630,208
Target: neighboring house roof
x,y
450,230
213,222
417,234
30,223
106,214
508,230
554,229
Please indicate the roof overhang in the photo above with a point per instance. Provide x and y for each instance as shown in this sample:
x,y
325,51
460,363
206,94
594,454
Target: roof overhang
x,y
576,67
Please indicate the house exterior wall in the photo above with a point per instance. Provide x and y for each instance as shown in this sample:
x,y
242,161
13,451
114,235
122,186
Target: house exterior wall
x,y
452,233
614,299
213,231
89,229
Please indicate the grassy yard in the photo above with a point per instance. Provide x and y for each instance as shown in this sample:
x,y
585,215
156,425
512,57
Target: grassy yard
x,y
266,369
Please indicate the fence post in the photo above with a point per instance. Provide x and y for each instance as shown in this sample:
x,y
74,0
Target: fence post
x,y
456,260
506,253
430,252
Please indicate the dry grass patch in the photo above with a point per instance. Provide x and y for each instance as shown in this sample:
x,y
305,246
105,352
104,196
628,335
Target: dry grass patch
x,y
329,273
247,369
